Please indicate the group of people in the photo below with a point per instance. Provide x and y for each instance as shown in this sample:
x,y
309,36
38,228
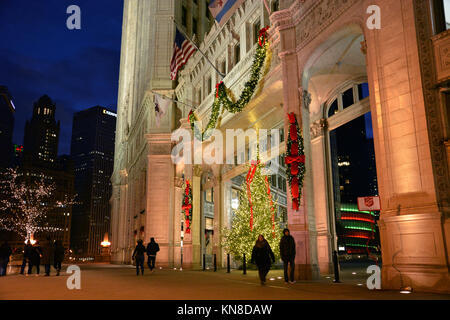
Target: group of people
x,y
139,255
51,252
262,256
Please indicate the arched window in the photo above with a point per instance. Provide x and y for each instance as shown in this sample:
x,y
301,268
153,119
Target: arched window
x,y
347,98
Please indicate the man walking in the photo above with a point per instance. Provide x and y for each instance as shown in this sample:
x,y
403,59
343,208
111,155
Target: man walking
x,y
47,255
26,256
152,249
287,252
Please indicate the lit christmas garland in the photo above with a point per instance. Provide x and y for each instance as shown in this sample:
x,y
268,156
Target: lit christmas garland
x,y
224,97
295,161
187,206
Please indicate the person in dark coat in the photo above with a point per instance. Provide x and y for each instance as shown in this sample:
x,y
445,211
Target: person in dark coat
x,y
287,252
139,255
5,253
35,258
47,255
26,256
152,249
59,251
263,256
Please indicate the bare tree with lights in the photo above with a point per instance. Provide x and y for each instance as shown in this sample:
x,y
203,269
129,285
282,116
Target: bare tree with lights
x,y
25,203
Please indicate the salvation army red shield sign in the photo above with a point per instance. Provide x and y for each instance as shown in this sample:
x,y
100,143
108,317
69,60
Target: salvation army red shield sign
x,y
369,203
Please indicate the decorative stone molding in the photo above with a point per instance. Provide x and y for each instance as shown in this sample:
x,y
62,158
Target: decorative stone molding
x,y
441,43
178,182
431,99
198,170
318,127
364,47
306,98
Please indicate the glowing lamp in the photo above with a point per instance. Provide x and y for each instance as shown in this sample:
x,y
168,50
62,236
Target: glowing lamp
x,y
105,243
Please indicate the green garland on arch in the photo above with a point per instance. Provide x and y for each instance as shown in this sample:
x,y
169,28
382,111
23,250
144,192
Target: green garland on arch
x,y
224,97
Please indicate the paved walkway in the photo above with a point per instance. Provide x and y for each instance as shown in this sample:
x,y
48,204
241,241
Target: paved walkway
x,y
113,282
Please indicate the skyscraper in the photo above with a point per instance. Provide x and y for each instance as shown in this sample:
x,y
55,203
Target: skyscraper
x,y
92,151
41,162
41,134
7,110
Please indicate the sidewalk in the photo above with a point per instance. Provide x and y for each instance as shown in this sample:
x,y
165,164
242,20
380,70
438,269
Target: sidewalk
x,y
114,282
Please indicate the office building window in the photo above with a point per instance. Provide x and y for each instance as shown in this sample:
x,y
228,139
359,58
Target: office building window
x,y
184,16
256,28
275,5
237,53
194,26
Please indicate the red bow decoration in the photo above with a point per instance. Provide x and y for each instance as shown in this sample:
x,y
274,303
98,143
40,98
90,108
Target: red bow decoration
x,y
189,115
263,35
249,179
217,88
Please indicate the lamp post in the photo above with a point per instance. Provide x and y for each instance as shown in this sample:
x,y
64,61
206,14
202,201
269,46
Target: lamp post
x,y
105,253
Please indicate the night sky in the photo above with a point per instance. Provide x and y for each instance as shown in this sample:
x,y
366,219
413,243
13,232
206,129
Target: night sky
x,y
39,55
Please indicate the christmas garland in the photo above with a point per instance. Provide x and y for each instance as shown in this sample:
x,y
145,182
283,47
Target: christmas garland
x,y
295,160
224,96
187,206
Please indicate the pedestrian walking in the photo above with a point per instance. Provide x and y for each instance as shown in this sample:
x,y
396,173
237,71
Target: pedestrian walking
x,y
139,255
47,255
5,253
262,255
59,251
152,249
35,258
287,252
26,256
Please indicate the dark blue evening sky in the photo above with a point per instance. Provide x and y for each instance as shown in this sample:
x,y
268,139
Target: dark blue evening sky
x,y
39,55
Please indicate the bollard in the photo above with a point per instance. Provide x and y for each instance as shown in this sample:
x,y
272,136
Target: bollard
x,y
204,262
228,263
244,266
215,263
336,267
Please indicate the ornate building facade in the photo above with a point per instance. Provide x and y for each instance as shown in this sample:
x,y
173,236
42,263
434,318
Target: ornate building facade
x,y
324,53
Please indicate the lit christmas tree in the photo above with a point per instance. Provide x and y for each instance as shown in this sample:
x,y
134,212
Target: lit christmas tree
x,y
242,235
25,204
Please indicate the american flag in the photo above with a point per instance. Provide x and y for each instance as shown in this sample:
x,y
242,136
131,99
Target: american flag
x,y
182,51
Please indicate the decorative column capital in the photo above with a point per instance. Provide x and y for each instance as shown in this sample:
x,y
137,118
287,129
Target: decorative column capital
x,y
197,170
318,127
178,182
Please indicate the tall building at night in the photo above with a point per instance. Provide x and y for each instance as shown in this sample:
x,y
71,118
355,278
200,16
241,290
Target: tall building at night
x,y
42,134
7,110
330,64
92,152
40,161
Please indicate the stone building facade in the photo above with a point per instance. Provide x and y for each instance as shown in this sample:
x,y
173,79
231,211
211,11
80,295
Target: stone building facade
x,y
321,50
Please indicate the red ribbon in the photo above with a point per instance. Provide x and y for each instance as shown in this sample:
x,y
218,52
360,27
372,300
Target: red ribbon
x,y
249,179
293,132
217,88
272,209
263,35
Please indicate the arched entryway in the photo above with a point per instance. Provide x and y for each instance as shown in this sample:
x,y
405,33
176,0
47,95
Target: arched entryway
x,y
342,149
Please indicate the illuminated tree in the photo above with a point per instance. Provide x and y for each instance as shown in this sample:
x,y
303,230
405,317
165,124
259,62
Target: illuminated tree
x,y
25,203
240,239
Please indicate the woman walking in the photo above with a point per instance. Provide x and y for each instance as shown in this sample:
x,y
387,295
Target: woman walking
x,y
35,258
263,256
138,254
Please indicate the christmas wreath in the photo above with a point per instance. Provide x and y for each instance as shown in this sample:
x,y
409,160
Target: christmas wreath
x,y
187,206
295,160
224,97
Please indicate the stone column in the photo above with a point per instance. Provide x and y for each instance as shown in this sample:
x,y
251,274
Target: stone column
x,y
411,223
301,223
196,229
160,194
325,221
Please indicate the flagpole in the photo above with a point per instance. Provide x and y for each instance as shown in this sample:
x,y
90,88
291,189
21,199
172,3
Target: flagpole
x,y
204,55
171,99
